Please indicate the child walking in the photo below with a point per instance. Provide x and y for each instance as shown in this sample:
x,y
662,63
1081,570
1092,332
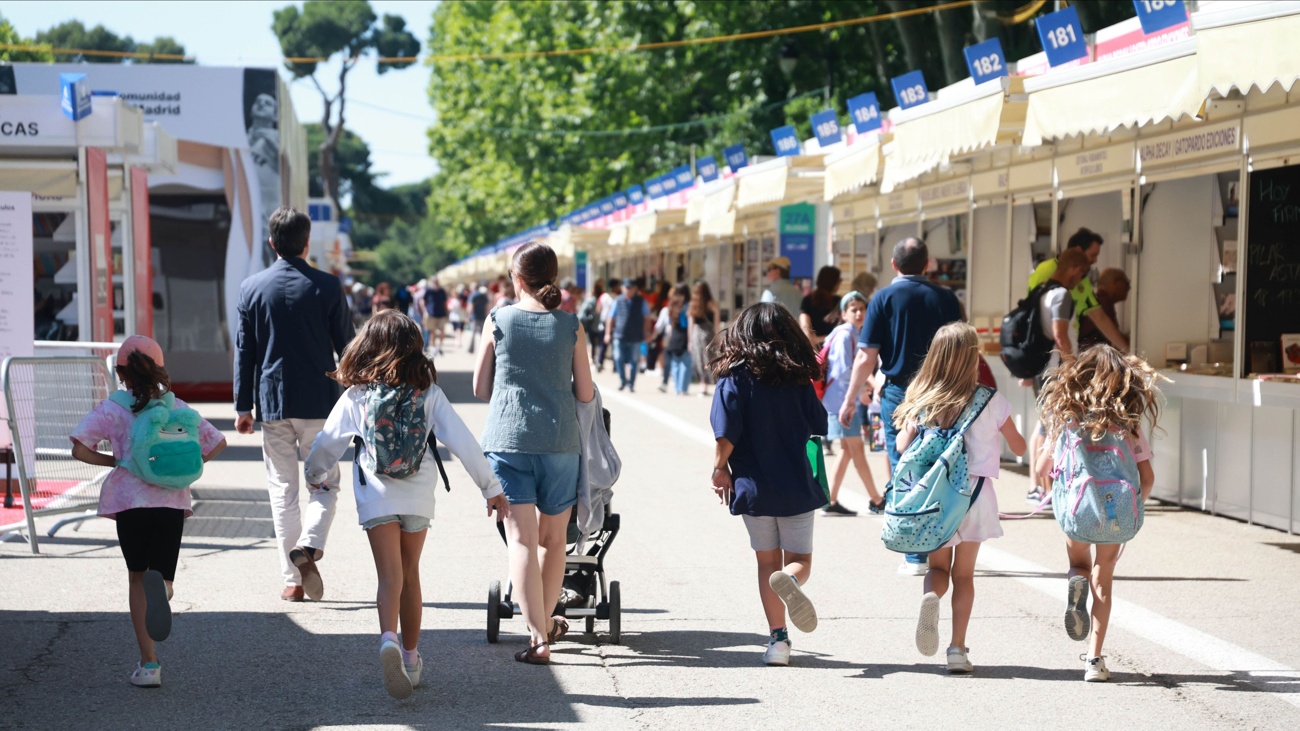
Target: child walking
x,y
149,518
840,346
1102,393
764,412
936,398
391,404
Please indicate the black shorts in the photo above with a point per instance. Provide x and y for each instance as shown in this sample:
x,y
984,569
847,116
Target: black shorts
x,y
150,538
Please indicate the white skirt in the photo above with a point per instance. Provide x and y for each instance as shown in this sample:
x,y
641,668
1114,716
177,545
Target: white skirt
x,y
981,522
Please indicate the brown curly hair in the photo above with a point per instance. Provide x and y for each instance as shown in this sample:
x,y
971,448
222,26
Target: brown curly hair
x,y
388,350
766,340
1101,390
145,379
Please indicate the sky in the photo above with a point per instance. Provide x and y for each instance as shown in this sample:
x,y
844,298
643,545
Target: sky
x,y
239,34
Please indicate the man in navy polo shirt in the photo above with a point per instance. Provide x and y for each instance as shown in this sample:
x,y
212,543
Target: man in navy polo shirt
x,y
901,321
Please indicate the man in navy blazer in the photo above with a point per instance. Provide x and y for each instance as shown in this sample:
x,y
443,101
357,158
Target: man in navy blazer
x,y
293,320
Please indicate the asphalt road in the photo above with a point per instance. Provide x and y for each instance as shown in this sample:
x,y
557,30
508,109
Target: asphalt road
x,y
1203,633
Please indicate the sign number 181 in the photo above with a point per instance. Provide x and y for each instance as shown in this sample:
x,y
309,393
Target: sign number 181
x,y
1064,35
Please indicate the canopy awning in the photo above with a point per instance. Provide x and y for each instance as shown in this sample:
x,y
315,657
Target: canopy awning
x,y
1135,90
854,167
618,234
779,181
965,120
717,209
641,228
1247,45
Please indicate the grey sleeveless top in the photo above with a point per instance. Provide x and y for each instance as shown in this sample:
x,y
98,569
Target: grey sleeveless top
x,y
533,408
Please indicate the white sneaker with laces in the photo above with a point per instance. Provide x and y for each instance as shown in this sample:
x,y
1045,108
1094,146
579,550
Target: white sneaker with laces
x,y
148,675
396,681
778,653
802,614
907,568
413,671
958,662
1094,669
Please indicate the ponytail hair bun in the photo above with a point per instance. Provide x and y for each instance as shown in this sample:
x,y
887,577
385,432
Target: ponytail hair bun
x,y
536,265
549,295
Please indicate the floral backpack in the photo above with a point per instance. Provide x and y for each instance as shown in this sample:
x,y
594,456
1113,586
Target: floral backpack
x,y
395,433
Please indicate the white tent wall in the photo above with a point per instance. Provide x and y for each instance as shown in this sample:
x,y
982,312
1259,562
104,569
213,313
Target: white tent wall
x,y
1179,258
989,279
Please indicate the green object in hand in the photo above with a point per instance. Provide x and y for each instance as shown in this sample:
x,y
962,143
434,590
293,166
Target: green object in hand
x,y
817,460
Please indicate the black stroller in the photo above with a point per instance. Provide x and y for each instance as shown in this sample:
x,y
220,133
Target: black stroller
x,y
586,594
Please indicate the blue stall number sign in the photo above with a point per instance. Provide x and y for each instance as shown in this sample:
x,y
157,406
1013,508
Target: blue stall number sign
x,y
708,168
986,61
1156,15
1062,36
635,196
683,177
785,141
669,182
736,157
620,200
654,187
607,206
74,93
909,89
826,126
865,111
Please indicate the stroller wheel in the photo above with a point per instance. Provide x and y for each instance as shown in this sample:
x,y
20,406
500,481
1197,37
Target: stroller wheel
x,y
591,625
494,611
615,614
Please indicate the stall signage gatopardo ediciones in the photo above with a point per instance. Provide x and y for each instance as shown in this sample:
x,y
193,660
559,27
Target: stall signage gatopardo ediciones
x,y
1190,144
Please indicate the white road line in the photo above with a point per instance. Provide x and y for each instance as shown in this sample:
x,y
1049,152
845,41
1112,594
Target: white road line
x,y
1206,649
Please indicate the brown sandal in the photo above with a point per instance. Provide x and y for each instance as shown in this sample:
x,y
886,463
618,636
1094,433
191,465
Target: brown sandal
x,y
531,657
559,628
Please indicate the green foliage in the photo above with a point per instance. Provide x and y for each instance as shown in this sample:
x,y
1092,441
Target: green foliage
x,y
73,34
352,156
9,35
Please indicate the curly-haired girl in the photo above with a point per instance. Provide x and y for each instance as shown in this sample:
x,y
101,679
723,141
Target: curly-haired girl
x,y
764,411
1100,391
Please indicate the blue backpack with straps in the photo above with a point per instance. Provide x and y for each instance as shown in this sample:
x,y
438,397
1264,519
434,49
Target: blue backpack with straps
x,y
1096,491
165,447
930,492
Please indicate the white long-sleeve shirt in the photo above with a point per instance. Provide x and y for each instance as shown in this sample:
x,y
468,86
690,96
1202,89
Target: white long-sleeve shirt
x,y
383,495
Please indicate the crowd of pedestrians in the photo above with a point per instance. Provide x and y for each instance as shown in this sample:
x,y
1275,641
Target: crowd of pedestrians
x,y
789,371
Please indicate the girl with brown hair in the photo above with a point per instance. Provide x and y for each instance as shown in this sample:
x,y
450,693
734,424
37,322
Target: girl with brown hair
x,y
816,313
704,324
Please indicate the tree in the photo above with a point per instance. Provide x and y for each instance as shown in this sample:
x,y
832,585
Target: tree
x,y
319,31
75,38
164,46
9,36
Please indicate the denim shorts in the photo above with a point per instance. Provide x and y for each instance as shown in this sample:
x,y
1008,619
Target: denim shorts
x,y
408,523
835,431
549,481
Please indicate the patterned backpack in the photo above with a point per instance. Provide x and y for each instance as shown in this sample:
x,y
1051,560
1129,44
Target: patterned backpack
x,y
1095,488
165,448
395,433
930,492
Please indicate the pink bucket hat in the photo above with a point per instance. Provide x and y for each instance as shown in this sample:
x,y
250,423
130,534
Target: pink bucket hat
x,y
144,345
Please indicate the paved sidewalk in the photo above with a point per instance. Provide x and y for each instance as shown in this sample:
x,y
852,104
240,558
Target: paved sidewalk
x,y
1202,634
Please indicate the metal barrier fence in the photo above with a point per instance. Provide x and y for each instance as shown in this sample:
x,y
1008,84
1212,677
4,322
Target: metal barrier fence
x,y
46,399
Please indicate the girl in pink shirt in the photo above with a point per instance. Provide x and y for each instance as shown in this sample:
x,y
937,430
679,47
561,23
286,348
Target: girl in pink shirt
x,y
149,518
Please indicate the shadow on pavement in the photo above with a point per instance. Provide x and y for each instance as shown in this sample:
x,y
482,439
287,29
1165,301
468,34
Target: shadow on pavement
x,y
701,649
1125,579
1253,682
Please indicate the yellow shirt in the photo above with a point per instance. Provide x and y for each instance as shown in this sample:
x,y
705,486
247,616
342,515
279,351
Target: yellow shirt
x,y
1084,299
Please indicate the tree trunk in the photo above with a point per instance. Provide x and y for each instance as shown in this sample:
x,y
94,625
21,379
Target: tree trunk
x,y
910,32
979,26
951,41
878,56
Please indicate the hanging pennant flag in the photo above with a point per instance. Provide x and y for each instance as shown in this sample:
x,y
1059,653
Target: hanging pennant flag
x,y
607,206
708,168
736,157
826,126
1156,15
1062,36
635,196
654,187
865,112
910,90
785,141
685,179
620,200
986,61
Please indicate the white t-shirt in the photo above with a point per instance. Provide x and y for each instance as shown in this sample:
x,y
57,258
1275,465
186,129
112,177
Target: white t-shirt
x,y
1057,304
984,437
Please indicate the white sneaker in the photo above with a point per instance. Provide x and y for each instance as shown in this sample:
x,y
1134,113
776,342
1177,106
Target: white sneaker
x,y
396,681
1094,669
907,568
414,671
802,614
148,675
927,625
1078,623
958,662
778,653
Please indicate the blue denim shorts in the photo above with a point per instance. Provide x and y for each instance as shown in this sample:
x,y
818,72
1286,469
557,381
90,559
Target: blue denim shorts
x,y
408,523
549,481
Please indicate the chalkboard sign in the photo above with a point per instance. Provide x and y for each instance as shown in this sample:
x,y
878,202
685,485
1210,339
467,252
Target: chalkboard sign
x,y
1272,266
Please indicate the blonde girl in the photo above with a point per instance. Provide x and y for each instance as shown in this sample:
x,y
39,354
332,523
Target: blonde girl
x,y
1099,391
936,398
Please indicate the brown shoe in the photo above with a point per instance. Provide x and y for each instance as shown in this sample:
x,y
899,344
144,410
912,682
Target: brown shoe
x,y
292,594
305,559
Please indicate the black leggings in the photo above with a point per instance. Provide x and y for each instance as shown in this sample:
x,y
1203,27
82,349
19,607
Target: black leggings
x,y
150,538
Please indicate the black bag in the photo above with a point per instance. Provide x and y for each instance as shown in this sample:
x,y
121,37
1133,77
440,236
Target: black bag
x,y
1026,349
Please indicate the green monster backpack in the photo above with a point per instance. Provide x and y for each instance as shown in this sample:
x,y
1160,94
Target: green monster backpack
x,y
165,449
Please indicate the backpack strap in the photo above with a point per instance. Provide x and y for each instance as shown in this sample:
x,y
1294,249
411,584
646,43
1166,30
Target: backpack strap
x,y
359,445
433,447
983,394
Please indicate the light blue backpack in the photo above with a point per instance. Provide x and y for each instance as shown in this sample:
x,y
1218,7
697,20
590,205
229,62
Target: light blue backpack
x,y
930,492
165,448
1096,492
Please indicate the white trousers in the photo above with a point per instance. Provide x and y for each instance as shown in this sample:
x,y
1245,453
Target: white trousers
x,y
284,443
